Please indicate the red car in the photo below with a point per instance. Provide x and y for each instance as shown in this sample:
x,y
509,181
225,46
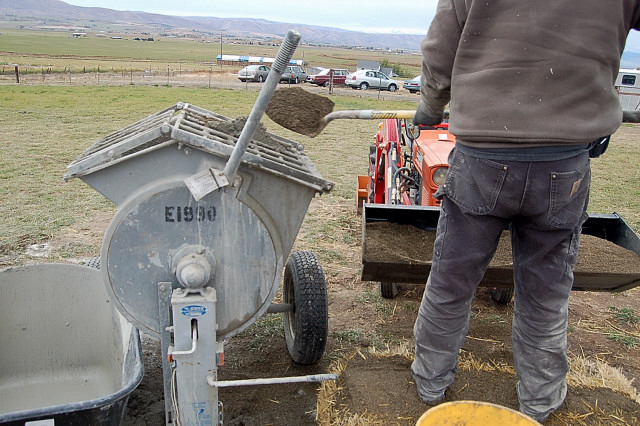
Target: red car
x,y
322,78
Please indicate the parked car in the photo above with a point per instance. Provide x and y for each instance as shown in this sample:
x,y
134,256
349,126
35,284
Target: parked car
x,y
364,79
254,73
293,74
412,85
322,78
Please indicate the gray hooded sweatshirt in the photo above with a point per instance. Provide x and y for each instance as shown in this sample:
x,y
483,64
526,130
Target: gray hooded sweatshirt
x,y
527,72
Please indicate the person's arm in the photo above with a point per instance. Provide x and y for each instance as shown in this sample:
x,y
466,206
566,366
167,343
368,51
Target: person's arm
x,y
438,54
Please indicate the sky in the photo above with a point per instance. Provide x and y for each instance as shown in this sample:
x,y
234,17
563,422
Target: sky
x,y
378,16
373,16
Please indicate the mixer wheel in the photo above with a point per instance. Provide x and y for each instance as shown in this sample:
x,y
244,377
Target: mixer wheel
x,y
306,325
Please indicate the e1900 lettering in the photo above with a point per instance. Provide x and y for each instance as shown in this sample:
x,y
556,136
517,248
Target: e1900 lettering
x,y
189,214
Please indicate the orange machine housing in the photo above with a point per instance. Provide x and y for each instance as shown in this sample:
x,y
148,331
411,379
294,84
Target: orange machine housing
x,y
402,170
431,153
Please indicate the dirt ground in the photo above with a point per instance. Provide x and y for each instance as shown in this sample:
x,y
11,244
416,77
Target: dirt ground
x,y
375,384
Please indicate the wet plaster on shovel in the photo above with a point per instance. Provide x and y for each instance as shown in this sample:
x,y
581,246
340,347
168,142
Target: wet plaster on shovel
x,y
308,114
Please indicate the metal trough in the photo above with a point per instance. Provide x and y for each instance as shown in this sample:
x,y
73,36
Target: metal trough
x,y
610,227
70,358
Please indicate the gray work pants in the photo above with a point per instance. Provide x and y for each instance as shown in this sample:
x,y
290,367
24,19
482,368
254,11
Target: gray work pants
x,y
544,205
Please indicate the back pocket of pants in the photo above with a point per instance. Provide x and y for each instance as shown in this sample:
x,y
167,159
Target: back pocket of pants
x,y
568,198
474,183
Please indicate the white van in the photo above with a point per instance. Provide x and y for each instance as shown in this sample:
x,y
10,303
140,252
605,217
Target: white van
x,y
628,87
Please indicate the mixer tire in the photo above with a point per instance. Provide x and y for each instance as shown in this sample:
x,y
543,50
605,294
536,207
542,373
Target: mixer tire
x,y
501,295
388,290
306,325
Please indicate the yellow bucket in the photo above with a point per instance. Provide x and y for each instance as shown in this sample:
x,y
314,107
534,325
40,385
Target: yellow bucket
x,y
473,413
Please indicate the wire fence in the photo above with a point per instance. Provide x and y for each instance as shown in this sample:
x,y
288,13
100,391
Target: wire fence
x,y
211,76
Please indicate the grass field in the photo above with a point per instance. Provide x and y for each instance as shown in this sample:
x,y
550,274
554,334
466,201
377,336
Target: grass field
x,y
35,50
46,127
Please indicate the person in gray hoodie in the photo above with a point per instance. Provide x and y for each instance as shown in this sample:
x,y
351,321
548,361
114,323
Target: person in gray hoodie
x,y
530,91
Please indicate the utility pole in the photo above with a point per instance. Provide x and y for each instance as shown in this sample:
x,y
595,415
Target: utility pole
x,y
220,52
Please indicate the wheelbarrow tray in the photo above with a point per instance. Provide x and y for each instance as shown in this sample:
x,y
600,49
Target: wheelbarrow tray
x,y
70,357
610,227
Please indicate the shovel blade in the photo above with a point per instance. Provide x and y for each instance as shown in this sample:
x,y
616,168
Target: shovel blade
x,y
299,110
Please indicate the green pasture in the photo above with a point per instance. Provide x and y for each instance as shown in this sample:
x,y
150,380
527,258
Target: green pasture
x,y
33,50
46,127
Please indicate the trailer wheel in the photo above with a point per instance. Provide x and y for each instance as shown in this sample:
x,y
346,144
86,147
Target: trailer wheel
x,y
388,290
501,295
306,325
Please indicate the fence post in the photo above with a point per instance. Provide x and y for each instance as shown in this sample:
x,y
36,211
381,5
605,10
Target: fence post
x,y
331,81
17,75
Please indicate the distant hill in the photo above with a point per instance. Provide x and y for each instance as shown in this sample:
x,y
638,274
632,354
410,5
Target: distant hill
x,y
61,11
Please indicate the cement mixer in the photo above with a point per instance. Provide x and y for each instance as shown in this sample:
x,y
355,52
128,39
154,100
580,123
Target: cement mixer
x,y
205,224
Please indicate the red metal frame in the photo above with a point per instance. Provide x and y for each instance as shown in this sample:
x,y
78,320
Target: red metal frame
x,y
430,152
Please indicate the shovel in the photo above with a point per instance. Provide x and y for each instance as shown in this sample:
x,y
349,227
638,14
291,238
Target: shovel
x,y
308,114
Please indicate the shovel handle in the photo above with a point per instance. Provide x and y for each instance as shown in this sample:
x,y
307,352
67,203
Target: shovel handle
x,y
369,114
282,59
400,114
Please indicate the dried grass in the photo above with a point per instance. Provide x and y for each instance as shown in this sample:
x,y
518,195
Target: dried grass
x,y
585,373
596,373
404,349
328,412
466,362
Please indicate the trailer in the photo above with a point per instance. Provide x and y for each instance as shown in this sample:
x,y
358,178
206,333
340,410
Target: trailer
x,y
407,165
627,85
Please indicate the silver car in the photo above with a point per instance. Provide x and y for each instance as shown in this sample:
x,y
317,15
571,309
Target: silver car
x,y
364,79
294,74
254,73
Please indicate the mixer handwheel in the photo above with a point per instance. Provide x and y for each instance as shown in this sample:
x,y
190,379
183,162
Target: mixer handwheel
x,y
306,325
